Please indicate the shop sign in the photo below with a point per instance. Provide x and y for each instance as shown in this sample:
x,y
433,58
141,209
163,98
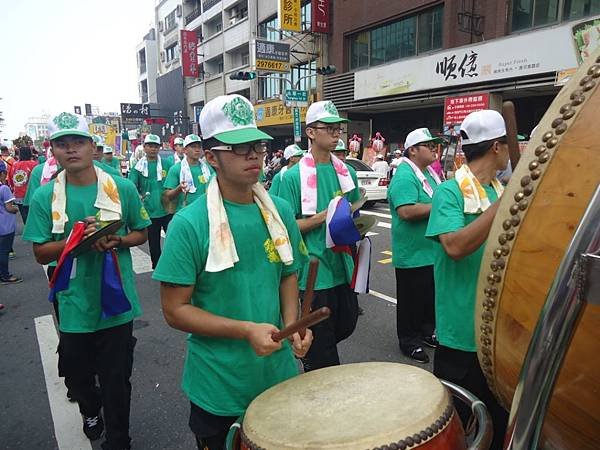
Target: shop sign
x,y
271,56
275,113
289,13
457,108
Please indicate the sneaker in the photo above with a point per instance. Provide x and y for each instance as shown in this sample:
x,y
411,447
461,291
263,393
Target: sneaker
x,y
12,255
431,341
419,355
93,426
11,280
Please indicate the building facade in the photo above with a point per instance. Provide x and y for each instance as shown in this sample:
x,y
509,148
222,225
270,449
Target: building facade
x,y
147,63
398,62
37,127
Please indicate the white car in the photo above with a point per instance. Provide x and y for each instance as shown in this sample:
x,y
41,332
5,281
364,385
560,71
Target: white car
x,y
375,184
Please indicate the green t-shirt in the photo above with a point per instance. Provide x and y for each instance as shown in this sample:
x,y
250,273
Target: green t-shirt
x,y
35,179
410,247
200,182
41,159
115,163
79,305
276,183
222,375
334,268
108,168
455,281
152,201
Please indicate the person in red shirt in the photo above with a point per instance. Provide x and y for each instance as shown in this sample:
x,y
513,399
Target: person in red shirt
x,y
18,179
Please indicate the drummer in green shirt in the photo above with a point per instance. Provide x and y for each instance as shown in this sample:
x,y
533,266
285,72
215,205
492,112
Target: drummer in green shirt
x,y
461,216
110,160
148,176
237,254
187,180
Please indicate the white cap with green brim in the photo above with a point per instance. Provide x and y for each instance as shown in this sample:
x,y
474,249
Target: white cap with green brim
x,y
325,112
97,140
178,141
340,147
190,139
292,151
68,124
152,139
230,119
420,136
107,149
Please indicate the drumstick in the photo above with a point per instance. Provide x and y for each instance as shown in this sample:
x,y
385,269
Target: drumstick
x,y
510,119
309,292
307,321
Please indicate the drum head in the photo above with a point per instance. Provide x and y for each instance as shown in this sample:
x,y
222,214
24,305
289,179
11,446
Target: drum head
x,y
354,406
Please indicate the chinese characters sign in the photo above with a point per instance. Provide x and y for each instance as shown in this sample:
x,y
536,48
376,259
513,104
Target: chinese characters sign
x,y
275,113
272,56
320,16
448,67
134,110
189,53
457,108
288,12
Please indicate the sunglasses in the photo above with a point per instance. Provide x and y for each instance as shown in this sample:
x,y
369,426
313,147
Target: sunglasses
x,y
244,149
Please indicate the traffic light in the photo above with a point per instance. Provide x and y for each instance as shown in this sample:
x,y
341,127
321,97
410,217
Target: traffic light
x,y
244,76
327,70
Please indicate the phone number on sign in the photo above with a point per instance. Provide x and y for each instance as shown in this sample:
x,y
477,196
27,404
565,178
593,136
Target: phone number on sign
x,y
272,65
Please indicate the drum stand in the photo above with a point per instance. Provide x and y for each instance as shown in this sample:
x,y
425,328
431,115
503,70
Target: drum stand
x,y
577,281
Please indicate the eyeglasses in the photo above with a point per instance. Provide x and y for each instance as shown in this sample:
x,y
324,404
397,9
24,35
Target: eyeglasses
x,y
244,149
429,145
331,129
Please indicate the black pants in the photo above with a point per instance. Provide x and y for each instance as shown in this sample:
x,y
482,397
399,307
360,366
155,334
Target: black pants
x,y
463,368
210,430
415,308
158,223
24,211
343,303
109,354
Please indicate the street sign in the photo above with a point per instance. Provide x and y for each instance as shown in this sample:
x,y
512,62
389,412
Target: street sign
x,y
296,97
135,110
297,125
77,109
88,109
271,56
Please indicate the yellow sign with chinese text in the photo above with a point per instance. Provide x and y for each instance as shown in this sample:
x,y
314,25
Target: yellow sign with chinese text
x,y
275,113
289,13
107,132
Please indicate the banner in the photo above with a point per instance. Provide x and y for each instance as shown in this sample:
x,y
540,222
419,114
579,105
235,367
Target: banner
x,y
288,12
189,53
459,107
271,56
320,16
275,113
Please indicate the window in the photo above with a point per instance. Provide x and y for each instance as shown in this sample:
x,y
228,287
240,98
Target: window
x,y
171,52
219,27
270,87
537,13
245,59
170,21
220,67
270,28
401,39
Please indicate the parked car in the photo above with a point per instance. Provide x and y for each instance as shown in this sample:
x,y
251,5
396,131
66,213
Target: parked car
x,y
375,185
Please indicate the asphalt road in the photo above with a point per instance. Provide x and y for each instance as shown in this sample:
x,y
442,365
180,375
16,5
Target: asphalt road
x,y
34,414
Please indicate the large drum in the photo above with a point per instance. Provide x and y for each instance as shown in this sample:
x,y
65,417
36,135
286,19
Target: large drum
x,y
356,406
538,214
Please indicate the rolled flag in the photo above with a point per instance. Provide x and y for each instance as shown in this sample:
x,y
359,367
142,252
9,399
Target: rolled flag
x,y
362,267
341,231
65,269
112,296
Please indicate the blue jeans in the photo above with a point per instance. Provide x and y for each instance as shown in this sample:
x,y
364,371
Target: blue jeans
x,y
6,242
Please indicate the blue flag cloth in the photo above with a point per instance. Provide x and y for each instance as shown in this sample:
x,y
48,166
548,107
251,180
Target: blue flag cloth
x,y
112,296
340,228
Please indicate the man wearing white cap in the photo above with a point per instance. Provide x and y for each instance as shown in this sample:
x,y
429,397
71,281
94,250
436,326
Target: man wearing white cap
x,y
110,160
309,187
148,176
460,220
409,196
381,166
292,155
187,180
179,150
95,328
396,161
237,253
99,155
340,151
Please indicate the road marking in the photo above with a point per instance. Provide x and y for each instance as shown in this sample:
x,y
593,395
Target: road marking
x,y
386,260
370,233
387,298
65,415
141,260
373,213
384,225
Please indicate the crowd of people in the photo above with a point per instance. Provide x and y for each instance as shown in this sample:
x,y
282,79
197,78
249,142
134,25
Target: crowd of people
x,y
242,255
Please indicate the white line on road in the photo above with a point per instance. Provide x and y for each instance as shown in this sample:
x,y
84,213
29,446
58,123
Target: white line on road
x,y
141,260
370,233
65,415
387,298
384,225
373,213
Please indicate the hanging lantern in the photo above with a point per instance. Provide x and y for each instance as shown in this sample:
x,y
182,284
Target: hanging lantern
x,y
378,142
354,143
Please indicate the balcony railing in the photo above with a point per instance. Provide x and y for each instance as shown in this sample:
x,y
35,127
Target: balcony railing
x,y
191,16
207,4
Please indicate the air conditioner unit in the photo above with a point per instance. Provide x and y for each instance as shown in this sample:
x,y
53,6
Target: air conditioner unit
x,y
160,25
162,56
179,10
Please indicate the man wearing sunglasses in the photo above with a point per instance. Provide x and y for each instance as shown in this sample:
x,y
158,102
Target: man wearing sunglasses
x,y
309,187
237,253
409,196
461,216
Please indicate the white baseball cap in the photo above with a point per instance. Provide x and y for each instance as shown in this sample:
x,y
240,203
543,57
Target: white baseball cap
x,y
191,138
480,126
292,150
230,119
107,149
325,112
152,139
340,147
379,156
419,136
178,141
68,124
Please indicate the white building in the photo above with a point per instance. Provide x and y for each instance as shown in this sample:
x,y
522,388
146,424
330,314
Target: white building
x,y
37,127
147,63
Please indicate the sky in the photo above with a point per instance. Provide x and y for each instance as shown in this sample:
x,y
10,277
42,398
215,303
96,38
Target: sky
x,y
55,54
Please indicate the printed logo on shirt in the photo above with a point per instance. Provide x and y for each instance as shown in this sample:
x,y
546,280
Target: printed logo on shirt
x,y
164,173
20,178
338,193
202,179
144,213
302,248
271,251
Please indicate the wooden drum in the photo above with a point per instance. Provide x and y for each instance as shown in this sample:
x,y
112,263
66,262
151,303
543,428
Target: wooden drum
x,y
355,406
539,212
